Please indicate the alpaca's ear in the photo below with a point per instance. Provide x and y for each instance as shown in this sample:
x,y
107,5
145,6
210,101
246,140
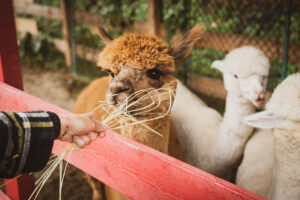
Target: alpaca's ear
x,y
218,64
265,119
104,36
183,46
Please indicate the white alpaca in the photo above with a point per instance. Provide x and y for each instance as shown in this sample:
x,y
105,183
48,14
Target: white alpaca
x,y
255,171
210,142
281,180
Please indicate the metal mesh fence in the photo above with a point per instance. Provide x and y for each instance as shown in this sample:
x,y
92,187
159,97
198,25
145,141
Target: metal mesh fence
x,y
259,23
116,16
229,24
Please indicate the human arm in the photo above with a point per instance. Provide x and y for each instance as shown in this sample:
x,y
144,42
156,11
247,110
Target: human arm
x,y
26,138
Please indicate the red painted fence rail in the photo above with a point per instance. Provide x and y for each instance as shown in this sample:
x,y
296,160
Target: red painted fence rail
x,y
132,168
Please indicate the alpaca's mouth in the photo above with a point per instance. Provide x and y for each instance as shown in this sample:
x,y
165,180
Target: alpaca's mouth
x,y
127,102
259,102
145,103
117,99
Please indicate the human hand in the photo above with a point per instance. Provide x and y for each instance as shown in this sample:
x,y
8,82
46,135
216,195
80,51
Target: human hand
x,y
83,128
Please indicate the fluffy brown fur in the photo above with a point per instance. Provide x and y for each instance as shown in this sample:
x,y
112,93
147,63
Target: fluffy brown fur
x,y
129,58
96,91
138,51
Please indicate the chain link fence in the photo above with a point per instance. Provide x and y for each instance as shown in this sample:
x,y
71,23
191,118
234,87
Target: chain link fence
x,y
265,24
230,24
259,23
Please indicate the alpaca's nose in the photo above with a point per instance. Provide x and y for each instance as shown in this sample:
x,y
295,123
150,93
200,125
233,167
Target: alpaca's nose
x,y
260,95
117,87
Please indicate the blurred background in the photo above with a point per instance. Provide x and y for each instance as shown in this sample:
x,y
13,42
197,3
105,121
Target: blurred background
x,y
62,35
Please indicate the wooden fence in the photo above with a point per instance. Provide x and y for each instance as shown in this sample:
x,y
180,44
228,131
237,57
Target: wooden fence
x,y
213,40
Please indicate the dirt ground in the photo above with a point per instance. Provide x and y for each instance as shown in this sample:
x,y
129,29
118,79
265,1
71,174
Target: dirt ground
x,y
48,85
52,86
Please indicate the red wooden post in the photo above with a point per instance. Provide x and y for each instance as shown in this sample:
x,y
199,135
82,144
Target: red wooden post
x,y
21,188
1,71
8,46
10,73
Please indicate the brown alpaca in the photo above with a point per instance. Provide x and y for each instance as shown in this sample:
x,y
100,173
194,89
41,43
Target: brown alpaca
x,y
136,62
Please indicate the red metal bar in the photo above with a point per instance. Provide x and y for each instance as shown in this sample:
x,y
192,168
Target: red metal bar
x,y
10,72
132,168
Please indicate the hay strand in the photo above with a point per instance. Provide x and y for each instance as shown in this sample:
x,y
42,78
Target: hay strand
x,y
116,117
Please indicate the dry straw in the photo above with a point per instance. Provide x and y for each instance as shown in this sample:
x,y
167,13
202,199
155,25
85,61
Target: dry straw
x,y
141,103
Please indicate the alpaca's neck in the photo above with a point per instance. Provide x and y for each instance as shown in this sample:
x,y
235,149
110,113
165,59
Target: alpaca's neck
x,y
147,137
232,132
286,170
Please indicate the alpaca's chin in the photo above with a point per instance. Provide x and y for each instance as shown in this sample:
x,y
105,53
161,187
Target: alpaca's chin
x,y
259,104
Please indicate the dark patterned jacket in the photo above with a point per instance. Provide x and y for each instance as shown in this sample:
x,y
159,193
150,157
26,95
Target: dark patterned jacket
x,y
26,140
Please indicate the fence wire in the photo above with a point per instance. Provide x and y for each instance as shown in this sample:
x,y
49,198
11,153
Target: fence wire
x,y
229,24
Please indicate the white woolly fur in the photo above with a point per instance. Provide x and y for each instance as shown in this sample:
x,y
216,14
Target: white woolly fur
x,y
271,164
285,101
247,60
213,143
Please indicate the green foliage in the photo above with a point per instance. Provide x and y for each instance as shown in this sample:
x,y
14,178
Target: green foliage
x,y
135,10
85,37
115,11
49,27
88,70
173,16
38,52
202,59
200,63
255,19
55,3
275,73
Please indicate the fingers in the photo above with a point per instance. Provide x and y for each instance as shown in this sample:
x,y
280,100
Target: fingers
x,y
94,125
85,140
99,127
85,127
82,141
101,134
84,123
93,136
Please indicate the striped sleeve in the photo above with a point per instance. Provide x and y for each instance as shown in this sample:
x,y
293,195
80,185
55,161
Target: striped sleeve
x,y
26,140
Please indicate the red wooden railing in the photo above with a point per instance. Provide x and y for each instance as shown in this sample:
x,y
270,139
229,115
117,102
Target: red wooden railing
x,y
131,168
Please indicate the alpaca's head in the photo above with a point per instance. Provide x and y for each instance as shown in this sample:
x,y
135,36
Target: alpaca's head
x,y
138,62
284,105
245,73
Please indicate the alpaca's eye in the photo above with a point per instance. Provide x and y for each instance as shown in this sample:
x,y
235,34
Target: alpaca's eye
x,y
235,76
110,73
154,73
